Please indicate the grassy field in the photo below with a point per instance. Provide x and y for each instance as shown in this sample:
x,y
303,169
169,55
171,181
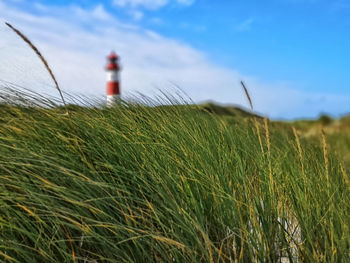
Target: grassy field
x,y
168,184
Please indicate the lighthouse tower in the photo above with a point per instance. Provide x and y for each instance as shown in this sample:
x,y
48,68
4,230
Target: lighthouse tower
x,y
113,85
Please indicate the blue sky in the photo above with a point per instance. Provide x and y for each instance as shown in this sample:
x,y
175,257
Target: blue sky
x,y
293,54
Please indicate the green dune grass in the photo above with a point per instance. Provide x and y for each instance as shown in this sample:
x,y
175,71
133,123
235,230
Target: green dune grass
x,y
165,184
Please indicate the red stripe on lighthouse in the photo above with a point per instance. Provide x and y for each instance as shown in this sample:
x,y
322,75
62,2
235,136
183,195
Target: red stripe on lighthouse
x,y
113,88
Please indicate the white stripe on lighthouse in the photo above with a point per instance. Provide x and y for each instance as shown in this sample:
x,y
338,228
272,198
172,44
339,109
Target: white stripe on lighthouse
x,y
112,76
112,100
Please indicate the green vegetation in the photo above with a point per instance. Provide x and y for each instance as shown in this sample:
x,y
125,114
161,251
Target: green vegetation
x,y
337,131
166,184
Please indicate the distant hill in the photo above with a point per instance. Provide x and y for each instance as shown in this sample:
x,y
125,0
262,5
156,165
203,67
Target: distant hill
x,y
234,111
337,130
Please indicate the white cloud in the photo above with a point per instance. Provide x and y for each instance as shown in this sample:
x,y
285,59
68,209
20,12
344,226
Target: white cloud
x,y
157,21
136,15
75,42
185,2
246,25
149,4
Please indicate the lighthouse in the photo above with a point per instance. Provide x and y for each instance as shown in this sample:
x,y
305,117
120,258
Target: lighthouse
x,y
113,80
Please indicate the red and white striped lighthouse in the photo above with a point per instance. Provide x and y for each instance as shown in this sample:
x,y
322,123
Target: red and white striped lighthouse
x,y
113,85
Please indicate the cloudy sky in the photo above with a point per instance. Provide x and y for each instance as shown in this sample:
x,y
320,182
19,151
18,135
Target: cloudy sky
x,y
294,55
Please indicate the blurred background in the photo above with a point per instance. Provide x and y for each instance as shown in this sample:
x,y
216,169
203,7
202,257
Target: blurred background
x,y
293,55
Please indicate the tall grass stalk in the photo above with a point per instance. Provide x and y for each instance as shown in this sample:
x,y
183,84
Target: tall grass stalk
x,y
41,57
